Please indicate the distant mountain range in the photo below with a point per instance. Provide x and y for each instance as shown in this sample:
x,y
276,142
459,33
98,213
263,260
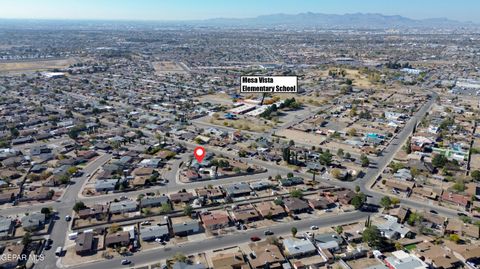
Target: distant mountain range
x,y
320,20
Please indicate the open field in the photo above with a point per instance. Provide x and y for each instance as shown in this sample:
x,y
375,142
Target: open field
x,y
168,67
32,66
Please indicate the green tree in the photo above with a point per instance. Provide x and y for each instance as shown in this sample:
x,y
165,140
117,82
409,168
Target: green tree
x,y
398,246
340,153
27,238
296,193
187,210
79,206
294,231
386,202
364,160
358,200
357,189
46,211
476,175
289,175
166,208
339,229
455,238
326,158
459,185
372,236
439,161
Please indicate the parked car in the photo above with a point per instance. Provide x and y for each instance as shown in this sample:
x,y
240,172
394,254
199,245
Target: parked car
x,y
314,227
126,262
268,232
255,238
68,218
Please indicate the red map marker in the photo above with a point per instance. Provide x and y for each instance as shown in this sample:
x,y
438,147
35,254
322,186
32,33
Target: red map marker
x,y
199,153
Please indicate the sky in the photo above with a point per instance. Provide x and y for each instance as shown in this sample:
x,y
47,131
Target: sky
x,y
462,10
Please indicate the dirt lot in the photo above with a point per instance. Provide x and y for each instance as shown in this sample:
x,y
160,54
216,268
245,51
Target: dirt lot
x,y
31,66
302,137
167,67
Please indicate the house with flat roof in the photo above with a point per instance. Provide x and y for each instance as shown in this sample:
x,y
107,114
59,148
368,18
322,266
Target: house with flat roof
x,y
237,189
215,220
153,201
5,226
103,185
123,206
33,221
148,233
403,260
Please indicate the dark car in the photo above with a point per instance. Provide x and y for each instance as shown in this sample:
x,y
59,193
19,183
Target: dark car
x,y
433,211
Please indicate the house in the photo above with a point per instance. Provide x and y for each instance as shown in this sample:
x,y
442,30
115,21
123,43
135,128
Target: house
x,y
97,211
261,185
153,201
436,256
245,214
270,209
456,199
230,260
184,197
215,220
237,189
117,239
148,233
5,226
142,171
400,213
123,207
266,253
403,260
297,248
295,205
344,197
33,221
182,226
104,185
84,243
328,241
391,229
291,181
319,203
210,193
150,163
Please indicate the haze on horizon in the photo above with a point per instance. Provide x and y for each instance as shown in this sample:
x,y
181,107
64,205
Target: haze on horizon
x,y
461,10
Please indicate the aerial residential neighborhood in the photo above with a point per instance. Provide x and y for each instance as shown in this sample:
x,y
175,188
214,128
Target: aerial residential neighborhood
x,y
292,140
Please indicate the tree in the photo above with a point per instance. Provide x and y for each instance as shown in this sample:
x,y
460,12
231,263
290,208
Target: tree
x,y
187,210
347,156
14,132
398,246
336,173
352,132
114,228
455,238
414,218
79,206
296,193
407,147
294,231
46,211
72,170
278,201
476,175
358,200
166,208
459,186
326,158
439,160
340,153
26,239
395,201
339,229
289,175
364,160
357,189
372,236
179,257
386,202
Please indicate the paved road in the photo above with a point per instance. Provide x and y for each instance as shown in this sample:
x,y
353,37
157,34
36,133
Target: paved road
x,y
155,255
65,208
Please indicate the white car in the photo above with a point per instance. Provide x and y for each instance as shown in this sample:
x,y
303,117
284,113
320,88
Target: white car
x,y
314,227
